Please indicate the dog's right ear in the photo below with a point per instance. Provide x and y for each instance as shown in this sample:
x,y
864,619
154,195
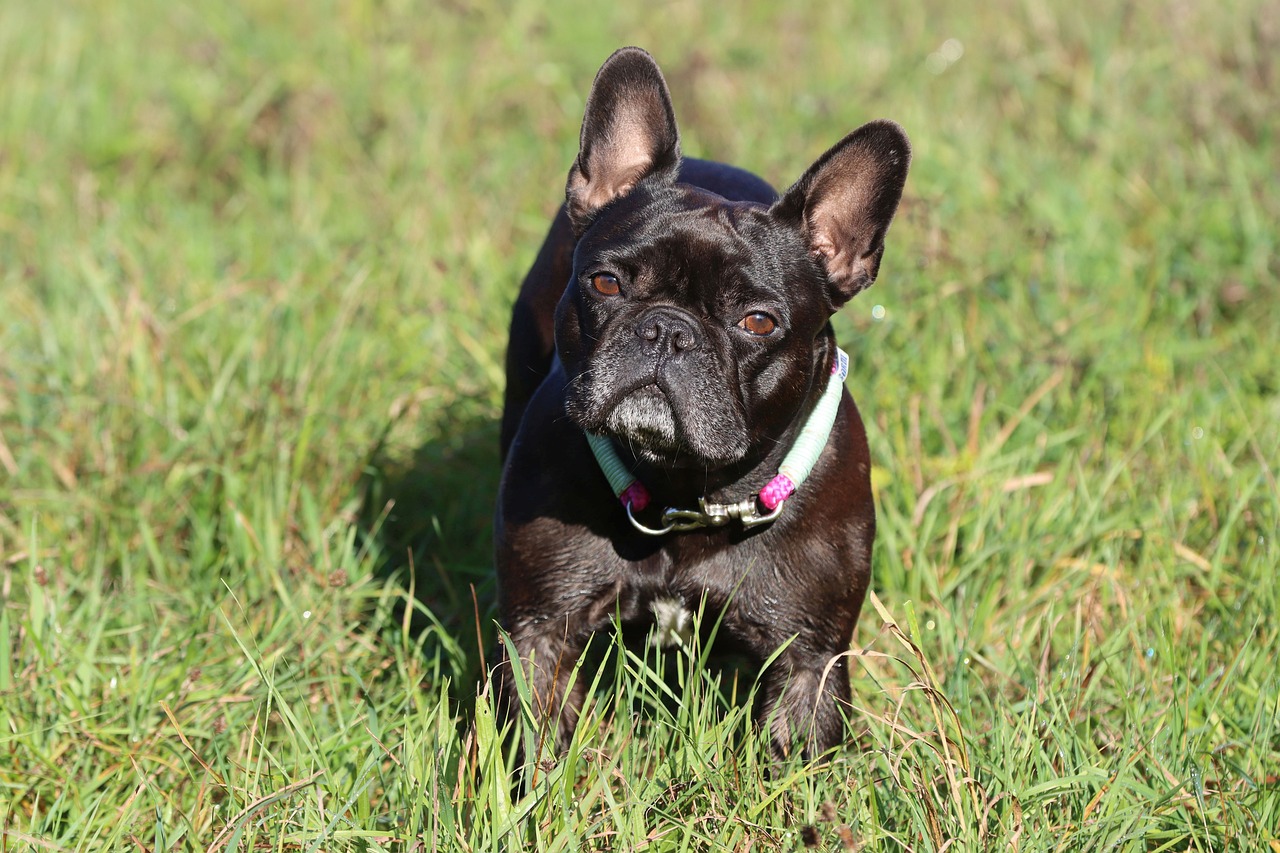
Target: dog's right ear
x,y
628,134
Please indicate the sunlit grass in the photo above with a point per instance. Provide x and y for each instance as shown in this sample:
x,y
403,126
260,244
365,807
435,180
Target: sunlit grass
x,y
255,268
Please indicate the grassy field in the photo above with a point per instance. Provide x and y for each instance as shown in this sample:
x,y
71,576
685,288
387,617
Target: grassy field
x,y
255,271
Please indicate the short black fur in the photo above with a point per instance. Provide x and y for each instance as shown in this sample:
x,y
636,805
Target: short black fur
x,y
681,308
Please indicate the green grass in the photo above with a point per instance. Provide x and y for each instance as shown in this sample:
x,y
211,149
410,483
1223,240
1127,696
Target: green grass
x,y
255,269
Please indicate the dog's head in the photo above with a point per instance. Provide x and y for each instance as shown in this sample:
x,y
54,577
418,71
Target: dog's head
x,y
692,326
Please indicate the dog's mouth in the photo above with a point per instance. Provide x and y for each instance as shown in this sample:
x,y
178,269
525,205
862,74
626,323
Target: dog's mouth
x,y
644,419
650,421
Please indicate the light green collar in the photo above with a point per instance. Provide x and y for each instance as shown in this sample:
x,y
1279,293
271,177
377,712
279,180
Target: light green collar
x,y
795,468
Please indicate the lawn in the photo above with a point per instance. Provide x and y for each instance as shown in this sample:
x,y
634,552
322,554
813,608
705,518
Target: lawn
x,y
256,263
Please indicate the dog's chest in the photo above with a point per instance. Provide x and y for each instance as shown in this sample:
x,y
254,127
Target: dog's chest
x,y
672,622
678,581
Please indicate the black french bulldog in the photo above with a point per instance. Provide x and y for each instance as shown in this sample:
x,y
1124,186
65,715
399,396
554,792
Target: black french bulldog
x,y
678,314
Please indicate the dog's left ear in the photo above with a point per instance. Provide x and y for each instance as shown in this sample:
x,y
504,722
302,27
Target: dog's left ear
x,y
843,205
628,134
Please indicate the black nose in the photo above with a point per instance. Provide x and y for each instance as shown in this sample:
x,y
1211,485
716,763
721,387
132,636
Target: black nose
x,y
668,330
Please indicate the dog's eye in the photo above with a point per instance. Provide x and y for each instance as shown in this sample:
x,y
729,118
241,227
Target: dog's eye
x,y
605,283
758,323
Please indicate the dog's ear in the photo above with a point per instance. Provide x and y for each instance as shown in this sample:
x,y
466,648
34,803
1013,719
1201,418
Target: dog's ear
x,y
843,205
628,134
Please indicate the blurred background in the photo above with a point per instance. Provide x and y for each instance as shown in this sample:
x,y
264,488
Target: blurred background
x,y
256,264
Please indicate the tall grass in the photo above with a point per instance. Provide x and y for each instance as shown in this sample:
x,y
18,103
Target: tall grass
x,y
255,268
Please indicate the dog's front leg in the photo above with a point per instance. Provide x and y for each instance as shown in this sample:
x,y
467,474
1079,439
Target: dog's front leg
x,y
547,653
806,692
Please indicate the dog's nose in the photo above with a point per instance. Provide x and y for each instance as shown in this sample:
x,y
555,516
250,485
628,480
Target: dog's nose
x,y
667,330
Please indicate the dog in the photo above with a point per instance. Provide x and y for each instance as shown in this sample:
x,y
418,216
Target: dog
x,y
676,432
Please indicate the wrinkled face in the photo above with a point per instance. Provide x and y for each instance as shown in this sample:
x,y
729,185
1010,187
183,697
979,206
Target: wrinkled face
x,y
688,329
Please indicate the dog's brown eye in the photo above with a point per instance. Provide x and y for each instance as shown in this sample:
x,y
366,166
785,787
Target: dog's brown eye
x,y
605,283
758,324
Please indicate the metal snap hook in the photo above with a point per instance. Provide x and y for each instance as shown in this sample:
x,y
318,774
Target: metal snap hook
x,y
751,516
708,515
648,531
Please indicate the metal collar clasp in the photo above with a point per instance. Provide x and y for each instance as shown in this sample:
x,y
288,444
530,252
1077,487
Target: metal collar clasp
x,y
708,515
